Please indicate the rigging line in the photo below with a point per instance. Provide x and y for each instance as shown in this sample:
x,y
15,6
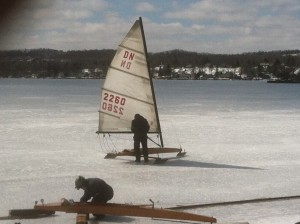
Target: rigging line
x,y
101,144
153,141
110,142
114,146
125,140
105,141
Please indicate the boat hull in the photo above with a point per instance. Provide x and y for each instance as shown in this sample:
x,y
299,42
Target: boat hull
x,y
151,151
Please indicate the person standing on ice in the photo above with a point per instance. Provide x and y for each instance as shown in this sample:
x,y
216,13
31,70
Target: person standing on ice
x,y
94,188
140,128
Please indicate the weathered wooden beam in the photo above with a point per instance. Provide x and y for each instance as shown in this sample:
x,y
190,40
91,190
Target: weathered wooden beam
x,y
124,210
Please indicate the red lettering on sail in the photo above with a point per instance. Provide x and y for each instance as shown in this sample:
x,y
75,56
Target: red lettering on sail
x,y
113,103
125,54
123,63
129,56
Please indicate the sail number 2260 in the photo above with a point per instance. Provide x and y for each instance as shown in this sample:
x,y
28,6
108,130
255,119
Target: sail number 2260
x,y
113,103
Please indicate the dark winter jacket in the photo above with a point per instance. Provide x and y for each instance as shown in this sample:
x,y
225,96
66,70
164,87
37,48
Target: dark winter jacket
x,y
98,189
139,126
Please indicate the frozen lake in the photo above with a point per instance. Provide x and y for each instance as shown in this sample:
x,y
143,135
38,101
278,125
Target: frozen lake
x,y
242,142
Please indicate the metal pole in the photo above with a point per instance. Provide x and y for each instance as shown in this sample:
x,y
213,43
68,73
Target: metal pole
x,y
151,82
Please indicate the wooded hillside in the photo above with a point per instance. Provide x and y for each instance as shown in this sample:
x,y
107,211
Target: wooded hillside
x,y
51,63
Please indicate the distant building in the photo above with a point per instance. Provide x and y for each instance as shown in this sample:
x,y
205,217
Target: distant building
x,y
86,71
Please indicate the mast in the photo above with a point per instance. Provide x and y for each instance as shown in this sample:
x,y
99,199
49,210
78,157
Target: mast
x,y
151,82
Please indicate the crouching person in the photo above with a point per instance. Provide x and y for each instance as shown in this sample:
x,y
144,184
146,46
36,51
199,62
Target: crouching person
x,y
96,189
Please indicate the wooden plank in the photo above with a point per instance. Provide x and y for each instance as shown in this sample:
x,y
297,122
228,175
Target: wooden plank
x,y
124,210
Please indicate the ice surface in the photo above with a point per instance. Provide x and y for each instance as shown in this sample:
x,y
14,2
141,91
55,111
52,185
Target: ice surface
x,y
242,142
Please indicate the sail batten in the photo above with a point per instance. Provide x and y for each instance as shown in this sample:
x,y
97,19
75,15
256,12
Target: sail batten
x,y
134,98
107,114
129,73
131,49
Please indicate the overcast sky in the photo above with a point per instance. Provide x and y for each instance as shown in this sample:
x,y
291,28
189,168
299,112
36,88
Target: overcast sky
x,y
211,26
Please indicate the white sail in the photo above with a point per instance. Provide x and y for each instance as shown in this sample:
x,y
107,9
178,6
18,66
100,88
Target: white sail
x,y
127,88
